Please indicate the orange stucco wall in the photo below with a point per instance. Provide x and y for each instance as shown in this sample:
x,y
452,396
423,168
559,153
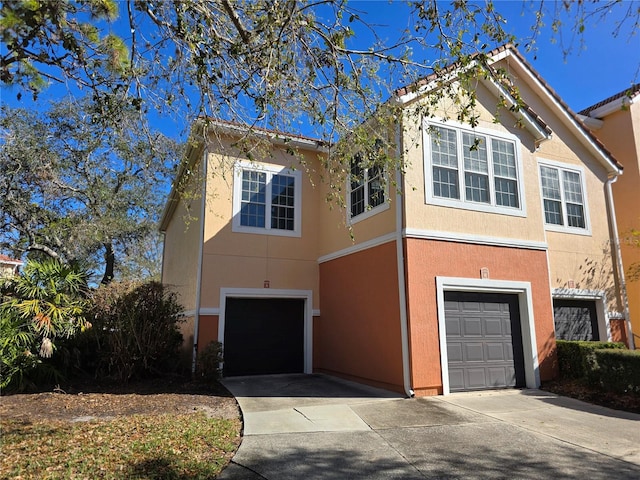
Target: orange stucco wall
x,y
207,330
428,259
357,335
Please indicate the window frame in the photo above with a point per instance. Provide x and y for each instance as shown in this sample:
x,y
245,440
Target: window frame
x,y
368,211
270,170
462,202
565,228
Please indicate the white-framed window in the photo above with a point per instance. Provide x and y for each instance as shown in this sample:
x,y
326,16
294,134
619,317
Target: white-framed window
x,y
367,189
267,199
475,169
564,201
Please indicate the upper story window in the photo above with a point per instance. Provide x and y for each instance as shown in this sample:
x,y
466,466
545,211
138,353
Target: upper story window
x,y
473,170
367,192
563,198
266,199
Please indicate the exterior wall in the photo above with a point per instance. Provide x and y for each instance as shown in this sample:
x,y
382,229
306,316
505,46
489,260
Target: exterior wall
x,y
428,259
621,134
336,233
420,215
248,260
180,257
207,330
357,335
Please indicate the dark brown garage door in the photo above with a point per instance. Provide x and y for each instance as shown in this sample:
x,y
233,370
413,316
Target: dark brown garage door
x,y
484,341
263,336
575,319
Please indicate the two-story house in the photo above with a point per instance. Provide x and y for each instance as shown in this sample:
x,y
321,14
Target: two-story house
x,y
456,273
9,266
616,122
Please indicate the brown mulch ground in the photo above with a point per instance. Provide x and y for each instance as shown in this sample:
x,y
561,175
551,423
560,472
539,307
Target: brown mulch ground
x,y
627,402
90,401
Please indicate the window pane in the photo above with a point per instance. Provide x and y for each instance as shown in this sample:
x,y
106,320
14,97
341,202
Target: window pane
x,y
445,183
282,190
444,147
254,186
252,215
357,200
572,187
550,183
506,192
476,187
575,215
504,158
253,201
474,150
553,212
375,188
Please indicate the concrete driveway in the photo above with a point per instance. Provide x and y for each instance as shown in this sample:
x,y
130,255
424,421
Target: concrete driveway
x,y
316,426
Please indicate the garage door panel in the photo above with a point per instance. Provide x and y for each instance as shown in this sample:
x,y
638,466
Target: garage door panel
x,y
494,326
490,341
575,319
472,327
473,352
476,378
496,352
263,336
454,352
453,325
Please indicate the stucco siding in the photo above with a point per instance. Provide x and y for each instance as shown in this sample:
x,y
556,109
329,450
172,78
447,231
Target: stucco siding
x,y
357,335
427,259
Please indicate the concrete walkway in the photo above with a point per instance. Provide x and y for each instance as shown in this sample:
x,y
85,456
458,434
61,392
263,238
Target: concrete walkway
x,y
315,426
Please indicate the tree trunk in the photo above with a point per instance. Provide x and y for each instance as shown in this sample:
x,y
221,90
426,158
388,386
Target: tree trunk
x,y
110,261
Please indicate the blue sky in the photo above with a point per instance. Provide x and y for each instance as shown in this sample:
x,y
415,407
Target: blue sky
x,y
605,66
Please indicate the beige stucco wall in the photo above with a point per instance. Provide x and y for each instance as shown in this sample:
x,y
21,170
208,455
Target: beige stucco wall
x,y
246,260
181,246
574,259
420,215
620,133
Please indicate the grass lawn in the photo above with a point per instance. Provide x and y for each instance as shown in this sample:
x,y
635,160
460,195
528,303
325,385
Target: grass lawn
x,y
162,446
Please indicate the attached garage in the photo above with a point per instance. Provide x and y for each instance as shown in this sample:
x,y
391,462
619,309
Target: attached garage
x,y
483,341
575,319
264,336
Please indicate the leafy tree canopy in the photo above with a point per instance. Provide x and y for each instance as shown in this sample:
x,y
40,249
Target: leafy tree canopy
x,y
270,63
83,187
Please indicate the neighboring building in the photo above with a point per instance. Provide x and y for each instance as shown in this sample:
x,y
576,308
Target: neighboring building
x,y
451,285
616,122
9,266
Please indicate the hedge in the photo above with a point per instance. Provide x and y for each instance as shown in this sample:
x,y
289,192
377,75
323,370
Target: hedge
x,y
577,358
618,370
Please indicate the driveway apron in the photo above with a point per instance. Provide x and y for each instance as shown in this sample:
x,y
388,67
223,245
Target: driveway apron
x,y
317,426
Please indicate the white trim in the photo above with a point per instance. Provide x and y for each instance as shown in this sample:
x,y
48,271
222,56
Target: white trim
x,y
374,242
203,311
316,312
543,162
16,263
306,295
270,170
462,203
525,301
538,133
600,299
474,239
613,106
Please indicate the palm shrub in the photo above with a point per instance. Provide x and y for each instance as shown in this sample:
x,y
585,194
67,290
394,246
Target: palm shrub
x,y
47,302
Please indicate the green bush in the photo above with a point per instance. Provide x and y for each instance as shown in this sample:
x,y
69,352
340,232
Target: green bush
x,y
618,370
209,361
135,332
577,358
